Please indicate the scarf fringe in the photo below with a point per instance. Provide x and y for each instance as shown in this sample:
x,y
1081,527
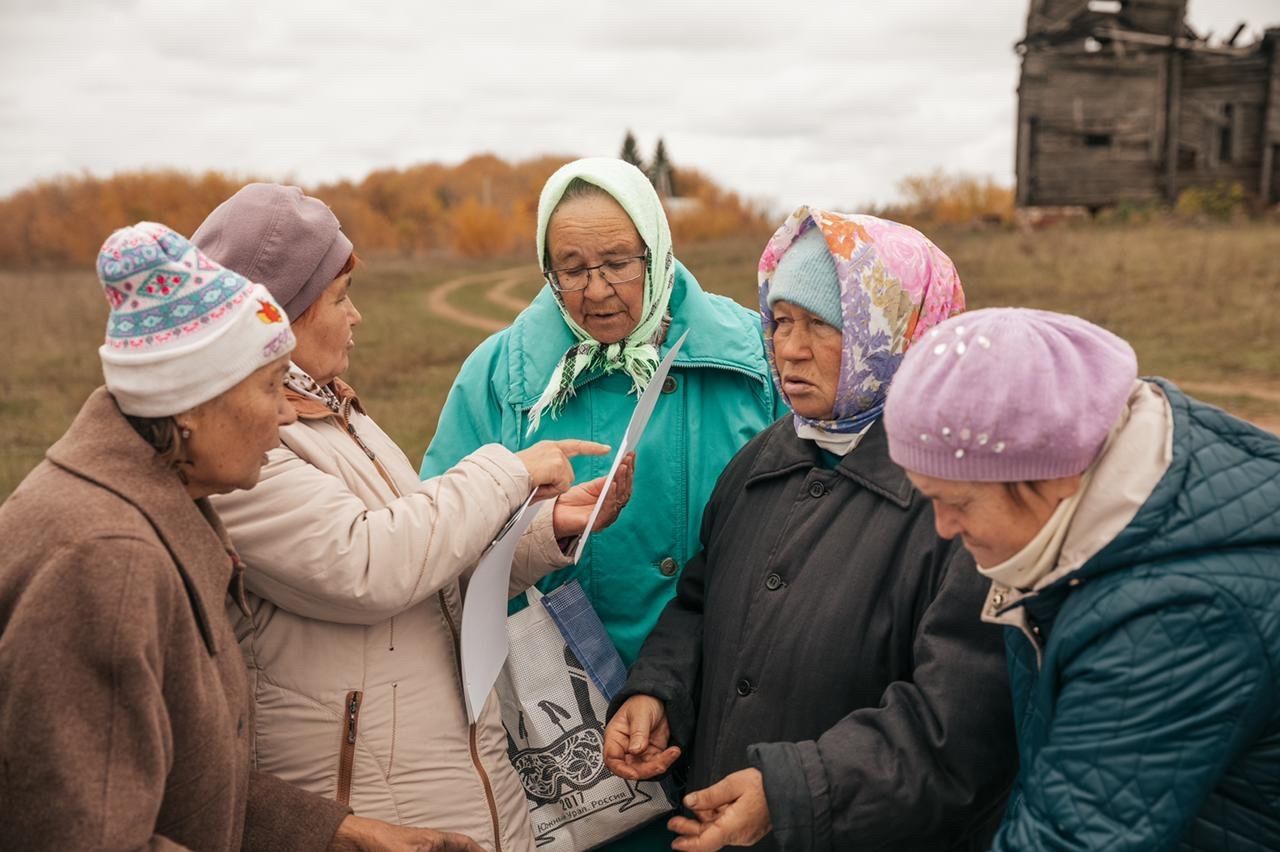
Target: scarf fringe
x,y
639,361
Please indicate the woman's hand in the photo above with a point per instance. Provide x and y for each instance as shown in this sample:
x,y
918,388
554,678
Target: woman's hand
x,y
733,812
636,740
573,508
550,472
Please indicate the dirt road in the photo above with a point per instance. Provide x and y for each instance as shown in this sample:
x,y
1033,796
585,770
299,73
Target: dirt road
x,y
499,286
498,292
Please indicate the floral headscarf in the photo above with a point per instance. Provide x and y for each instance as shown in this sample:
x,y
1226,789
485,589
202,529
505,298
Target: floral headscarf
x,y
894,286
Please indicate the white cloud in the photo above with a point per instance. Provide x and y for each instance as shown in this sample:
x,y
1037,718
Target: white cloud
x,y
828,102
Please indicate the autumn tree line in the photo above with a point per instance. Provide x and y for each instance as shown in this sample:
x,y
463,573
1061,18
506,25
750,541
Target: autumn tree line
x,y
482,207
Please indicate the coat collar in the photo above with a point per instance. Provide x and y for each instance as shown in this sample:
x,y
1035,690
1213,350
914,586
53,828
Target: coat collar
x,y
722,337
868,465
307,407
103,448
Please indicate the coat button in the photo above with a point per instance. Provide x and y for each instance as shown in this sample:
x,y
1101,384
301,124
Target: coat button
x,y
668,567
773,582
240,726
817,489
745,688
669,384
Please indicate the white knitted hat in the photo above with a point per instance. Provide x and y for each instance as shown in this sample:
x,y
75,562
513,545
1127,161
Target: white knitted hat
x,y
182,329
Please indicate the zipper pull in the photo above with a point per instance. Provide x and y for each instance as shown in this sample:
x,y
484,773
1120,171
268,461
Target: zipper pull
x,y
352,708
351,430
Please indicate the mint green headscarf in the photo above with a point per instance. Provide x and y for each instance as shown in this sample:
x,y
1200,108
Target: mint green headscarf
x,y
636,354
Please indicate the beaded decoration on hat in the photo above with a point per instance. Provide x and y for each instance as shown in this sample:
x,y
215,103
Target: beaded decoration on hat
x,y
1008,395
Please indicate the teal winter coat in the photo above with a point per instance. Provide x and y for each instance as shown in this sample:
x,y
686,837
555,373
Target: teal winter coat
x,y
1150,718
718,396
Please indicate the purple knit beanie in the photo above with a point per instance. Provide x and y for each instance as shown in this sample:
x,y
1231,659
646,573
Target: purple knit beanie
x,y
288,242
1008,395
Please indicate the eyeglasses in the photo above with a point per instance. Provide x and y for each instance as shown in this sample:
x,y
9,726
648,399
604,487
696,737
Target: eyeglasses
x,y
621,270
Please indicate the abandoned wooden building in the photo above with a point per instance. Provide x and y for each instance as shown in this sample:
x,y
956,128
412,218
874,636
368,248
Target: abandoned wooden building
x,y
1120,100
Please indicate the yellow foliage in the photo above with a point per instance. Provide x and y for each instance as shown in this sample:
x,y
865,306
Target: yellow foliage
x,y
939,198
1221,202
484,206
704,211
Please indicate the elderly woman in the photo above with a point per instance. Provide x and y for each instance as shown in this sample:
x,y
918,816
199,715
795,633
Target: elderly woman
x,y
819,666
569,366
1132,541
616,299
354,567
125,714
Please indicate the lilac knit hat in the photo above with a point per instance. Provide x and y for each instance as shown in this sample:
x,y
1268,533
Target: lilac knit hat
x,y
1008,395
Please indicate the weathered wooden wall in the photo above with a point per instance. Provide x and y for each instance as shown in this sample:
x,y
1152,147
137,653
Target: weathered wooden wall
x,y
1269,178
1095,123
1143,116
1220,137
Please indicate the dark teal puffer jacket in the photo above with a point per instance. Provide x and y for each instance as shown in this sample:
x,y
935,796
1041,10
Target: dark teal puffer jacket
x,y
1153,719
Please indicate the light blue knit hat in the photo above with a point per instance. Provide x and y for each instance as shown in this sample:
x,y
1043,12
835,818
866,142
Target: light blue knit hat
x,y
806,276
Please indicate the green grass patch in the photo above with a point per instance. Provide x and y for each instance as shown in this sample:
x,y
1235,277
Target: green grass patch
x,y
1199,304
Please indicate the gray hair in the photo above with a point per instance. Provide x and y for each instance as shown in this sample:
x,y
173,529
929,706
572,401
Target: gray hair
x,y
165,437
579,188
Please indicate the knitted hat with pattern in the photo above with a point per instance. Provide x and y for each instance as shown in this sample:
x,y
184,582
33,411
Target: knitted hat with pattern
x,y
181,329
1008,395
806,276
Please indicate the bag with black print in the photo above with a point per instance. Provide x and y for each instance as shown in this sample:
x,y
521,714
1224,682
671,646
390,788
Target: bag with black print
x,y
554,691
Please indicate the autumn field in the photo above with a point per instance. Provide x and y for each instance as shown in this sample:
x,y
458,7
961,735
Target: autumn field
x,y
1201,304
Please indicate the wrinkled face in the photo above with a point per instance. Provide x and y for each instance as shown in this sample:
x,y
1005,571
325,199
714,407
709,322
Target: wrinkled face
x,y
995,519
231,433
587,231
324,332
807,352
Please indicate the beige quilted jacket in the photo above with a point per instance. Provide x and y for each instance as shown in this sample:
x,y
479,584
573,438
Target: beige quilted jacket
x,y
354,569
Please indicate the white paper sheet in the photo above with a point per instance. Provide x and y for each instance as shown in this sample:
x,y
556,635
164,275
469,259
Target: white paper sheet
x,y
484,612
631,438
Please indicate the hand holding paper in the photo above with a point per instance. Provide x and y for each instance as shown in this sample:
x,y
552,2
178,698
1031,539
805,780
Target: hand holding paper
x,y
635,429
550,472
484,635
574,507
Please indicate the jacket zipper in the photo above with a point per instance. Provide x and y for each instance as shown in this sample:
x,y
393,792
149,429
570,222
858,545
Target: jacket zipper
x,y
471,730
457,653
347,754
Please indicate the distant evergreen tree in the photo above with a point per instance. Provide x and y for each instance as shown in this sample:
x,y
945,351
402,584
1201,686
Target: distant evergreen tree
x,y
661,174
631,151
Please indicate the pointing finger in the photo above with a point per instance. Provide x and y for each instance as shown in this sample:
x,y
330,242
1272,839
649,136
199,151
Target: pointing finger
x,y
575,447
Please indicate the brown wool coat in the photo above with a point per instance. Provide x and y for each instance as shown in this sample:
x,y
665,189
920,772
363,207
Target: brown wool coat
x,y
124,703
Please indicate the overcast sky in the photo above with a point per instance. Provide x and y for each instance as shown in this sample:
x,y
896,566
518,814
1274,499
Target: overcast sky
x,y
825,102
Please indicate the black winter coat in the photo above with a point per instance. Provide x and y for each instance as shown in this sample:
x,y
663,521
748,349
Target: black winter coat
x,y
828,637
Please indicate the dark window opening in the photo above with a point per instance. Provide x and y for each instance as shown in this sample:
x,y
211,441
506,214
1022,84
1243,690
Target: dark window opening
x,y
1097,140
1225,140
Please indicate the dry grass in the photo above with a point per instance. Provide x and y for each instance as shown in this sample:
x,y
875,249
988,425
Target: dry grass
x,y
1200,305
